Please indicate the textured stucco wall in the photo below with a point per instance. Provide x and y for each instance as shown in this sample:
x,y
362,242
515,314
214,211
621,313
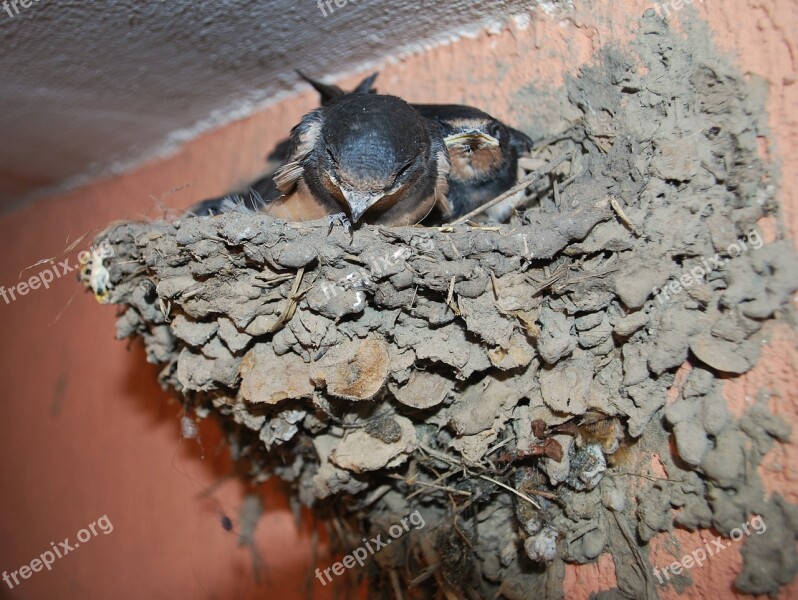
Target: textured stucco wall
x,y
92,87
85,430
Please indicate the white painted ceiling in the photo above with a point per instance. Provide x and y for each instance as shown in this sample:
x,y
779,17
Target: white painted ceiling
x,y
88,88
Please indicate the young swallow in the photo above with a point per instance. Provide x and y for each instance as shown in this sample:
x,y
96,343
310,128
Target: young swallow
x,y
483,152
263,191
370,156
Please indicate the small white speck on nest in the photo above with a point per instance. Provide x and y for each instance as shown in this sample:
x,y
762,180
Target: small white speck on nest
x,y
521,21
188,427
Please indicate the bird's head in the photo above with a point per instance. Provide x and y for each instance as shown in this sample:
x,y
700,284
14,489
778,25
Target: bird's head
x,y
477,143
372,148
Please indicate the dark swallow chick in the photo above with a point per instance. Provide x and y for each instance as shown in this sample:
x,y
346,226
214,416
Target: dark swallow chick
x,y
372,157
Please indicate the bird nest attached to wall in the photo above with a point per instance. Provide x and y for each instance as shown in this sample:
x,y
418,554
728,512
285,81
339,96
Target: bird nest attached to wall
x,y
487,398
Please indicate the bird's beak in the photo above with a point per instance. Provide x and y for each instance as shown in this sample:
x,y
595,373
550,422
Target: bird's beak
x,y
360,202
471,138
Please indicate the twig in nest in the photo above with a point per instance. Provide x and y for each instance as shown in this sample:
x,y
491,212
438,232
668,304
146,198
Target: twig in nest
x,y
50,261
397,588
495,284
562,286
616,206
269,281
449,302
413,299
511,490
444,488
551,279
568,134
533,177
445,458
437,480
166,308
354,259
500,445
462,535
291,303
542,494
425,574
568,181
649,477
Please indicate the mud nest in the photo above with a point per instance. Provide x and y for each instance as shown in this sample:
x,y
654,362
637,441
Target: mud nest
x,y
507,385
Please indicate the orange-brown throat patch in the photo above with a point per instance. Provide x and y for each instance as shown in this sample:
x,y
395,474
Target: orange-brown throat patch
x,y
474,162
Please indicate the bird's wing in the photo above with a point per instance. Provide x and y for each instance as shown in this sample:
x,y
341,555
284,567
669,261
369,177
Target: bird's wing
x,y
331,93
327,92
443,164
519,141
303,138
365,86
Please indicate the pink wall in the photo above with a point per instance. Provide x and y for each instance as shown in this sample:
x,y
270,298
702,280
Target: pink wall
x,y
86,431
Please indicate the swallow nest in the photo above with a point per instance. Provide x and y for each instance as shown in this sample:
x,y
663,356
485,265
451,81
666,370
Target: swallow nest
x,y
508,383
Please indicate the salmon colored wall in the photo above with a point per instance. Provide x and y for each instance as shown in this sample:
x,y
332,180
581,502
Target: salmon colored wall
x,y
85,430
